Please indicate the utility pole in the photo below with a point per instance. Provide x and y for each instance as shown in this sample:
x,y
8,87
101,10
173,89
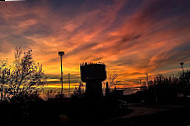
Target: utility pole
x,y
69,82
181,64
147,80
61,53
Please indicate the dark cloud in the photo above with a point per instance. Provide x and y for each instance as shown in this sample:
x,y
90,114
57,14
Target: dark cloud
x,y
130,7
80,48
14,40
156,10
126,61
125,42
18,40
72,8
20,19
183,48
97,59
128,38
176,55
32,3
2,21
39,30
73,4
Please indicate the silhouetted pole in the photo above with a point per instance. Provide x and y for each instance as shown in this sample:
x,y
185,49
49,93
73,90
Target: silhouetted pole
x,y
182,63
69,82
61,53
147,79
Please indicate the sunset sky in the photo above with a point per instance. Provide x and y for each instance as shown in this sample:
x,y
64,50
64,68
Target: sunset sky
x,y
132,37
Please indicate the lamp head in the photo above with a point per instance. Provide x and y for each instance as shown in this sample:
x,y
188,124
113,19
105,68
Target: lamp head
x,y
61,53
181,63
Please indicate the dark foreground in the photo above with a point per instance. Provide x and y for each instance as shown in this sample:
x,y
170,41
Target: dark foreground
x,y
179,116
85,112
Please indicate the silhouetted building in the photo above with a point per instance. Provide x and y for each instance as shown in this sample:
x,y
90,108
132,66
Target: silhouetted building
x,y
93,75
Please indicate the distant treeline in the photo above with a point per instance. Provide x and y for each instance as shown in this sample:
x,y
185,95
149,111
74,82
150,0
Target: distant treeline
x,y
165,90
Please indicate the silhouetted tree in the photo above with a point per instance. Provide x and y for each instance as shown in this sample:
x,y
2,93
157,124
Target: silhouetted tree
x,y
113,79
4,77
24,75
166,89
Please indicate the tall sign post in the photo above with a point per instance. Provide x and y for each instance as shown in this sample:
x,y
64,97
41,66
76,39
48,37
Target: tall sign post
x,y
61,53
69,82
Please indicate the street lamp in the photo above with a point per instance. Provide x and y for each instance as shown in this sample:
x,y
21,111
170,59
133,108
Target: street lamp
x,y
61,53
181,64
147,80
69,82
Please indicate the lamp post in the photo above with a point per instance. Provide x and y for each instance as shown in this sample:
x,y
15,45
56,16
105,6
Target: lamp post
x,y
69,82
61,53
181,64
147,80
